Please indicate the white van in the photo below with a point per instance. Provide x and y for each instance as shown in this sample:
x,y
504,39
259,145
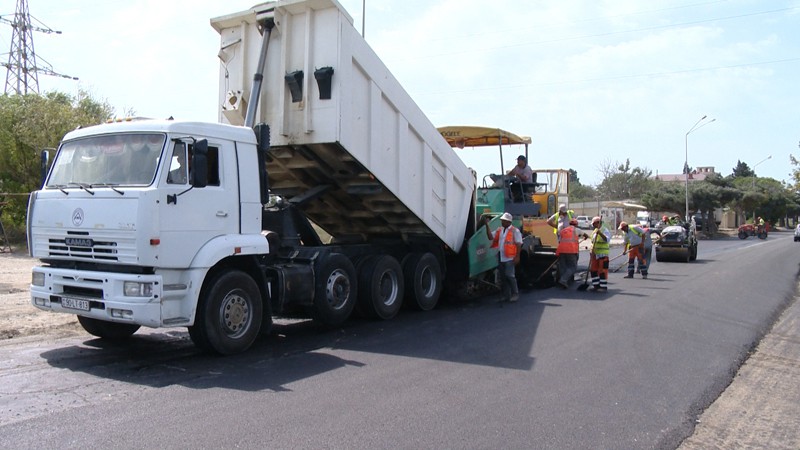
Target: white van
x,y
644,219
584,222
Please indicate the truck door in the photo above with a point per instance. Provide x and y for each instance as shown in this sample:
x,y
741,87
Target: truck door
x,y
191,216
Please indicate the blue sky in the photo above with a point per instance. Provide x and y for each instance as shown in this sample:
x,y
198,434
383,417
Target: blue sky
x,y
592,82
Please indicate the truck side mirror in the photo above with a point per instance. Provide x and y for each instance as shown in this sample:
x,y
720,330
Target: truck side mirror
x,y
198,171
43,162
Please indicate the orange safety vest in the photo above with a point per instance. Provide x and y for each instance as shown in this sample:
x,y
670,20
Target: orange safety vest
x,y
568,242
509,246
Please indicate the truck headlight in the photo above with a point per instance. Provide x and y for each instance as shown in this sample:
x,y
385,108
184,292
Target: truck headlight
x,y
37,278
137,289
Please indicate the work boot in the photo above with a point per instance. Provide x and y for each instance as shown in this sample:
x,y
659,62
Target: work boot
x,y
629,275
644,276
514,298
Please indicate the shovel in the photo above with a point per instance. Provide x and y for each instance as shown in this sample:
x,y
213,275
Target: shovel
x,y
546,271
616,269
585,284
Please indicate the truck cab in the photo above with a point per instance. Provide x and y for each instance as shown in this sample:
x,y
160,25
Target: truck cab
x,y
134,214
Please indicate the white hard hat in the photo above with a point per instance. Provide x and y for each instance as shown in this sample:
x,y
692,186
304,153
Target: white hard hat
x,y
506,216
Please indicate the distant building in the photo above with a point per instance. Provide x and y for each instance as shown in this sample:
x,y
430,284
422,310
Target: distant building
x,y
698,174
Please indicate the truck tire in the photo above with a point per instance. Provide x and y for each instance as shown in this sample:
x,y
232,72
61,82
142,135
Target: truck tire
x,y
229,314
423,279
335,294
107,330
380,287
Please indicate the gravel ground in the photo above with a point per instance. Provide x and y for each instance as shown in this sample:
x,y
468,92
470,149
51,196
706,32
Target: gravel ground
x,y
17,316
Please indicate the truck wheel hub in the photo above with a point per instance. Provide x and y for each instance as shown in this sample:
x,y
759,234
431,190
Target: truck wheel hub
x,y
235,314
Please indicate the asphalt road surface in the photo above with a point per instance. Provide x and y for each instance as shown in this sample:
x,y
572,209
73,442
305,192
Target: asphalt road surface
x,y
631,368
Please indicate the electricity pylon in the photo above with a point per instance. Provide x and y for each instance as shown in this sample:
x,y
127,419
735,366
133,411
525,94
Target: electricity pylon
x,y
23,72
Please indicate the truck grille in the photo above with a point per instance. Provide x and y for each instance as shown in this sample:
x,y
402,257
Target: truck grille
x,y
99,251
97,246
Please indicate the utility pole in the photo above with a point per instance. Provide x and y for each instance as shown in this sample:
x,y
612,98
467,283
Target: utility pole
x,y
23,72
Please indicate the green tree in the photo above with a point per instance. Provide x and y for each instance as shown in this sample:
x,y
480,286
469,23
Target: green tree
x,y
665,196
28,124
742,170
765,197
708,195
620,181
577,191
795,171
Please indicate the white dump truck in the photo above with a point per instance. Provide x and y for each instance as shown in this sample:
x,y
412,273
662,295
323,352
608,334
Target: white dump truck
x,y
323,189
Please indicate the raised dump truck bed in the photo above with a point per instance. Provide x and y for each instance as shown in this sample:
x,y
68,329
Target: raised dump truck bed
x,y
349,146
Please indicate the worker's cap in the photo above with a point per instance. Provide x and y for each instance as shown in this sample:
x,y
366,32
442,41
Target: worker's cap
x,y
521,158
507,217
562,208
573,221
596,219
623,225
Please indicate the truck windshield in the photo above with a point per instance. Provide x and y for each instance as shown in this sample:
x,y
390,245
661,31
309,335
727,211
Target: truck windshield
x,y
112,159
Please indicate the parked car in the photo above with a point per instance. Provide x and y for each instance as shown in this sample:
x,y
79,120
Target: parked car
x,y
584,222
698,221
797,233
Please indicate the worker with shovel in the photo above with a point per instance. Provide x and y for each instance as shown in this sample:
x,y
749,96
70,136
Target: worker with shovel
x,y
598,256
567,252
634,247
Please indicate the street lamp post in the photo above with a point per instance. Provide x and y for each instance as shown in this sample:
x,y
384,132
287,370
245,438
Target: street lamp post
x,y
696,126
754,169
754,182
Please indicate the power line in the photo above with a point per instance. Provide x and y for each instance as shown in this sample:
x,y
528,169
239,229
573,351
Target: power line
x,y
620,77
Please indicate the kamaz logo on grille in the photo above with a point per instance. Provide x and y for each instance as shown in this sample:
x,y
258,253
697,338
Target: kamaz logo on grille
x,y
77,217
79,242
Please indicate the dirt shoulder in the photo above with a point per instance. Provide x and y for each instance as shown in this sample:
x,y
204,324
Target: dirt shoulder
x,y
17,316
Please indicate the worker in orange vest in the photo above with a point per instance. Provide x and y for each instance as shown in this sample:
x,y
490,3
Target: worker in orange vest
x,y
567,252
511,239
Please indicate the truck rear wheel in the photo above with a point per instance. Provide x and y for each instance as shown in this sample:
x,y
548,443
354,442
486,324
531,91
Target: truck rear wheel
x,y
229,314
380,287
423,279
335,292
107,330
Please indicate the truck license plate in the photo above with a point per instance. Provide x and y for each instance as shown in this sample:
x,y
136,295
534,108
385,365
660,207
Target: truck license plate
x,y
75,303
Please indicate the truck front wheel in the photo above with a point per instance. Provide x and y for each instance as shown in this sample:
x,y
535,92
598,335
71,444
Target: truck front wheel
x,y
423,278
335,292
107,330
229,314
